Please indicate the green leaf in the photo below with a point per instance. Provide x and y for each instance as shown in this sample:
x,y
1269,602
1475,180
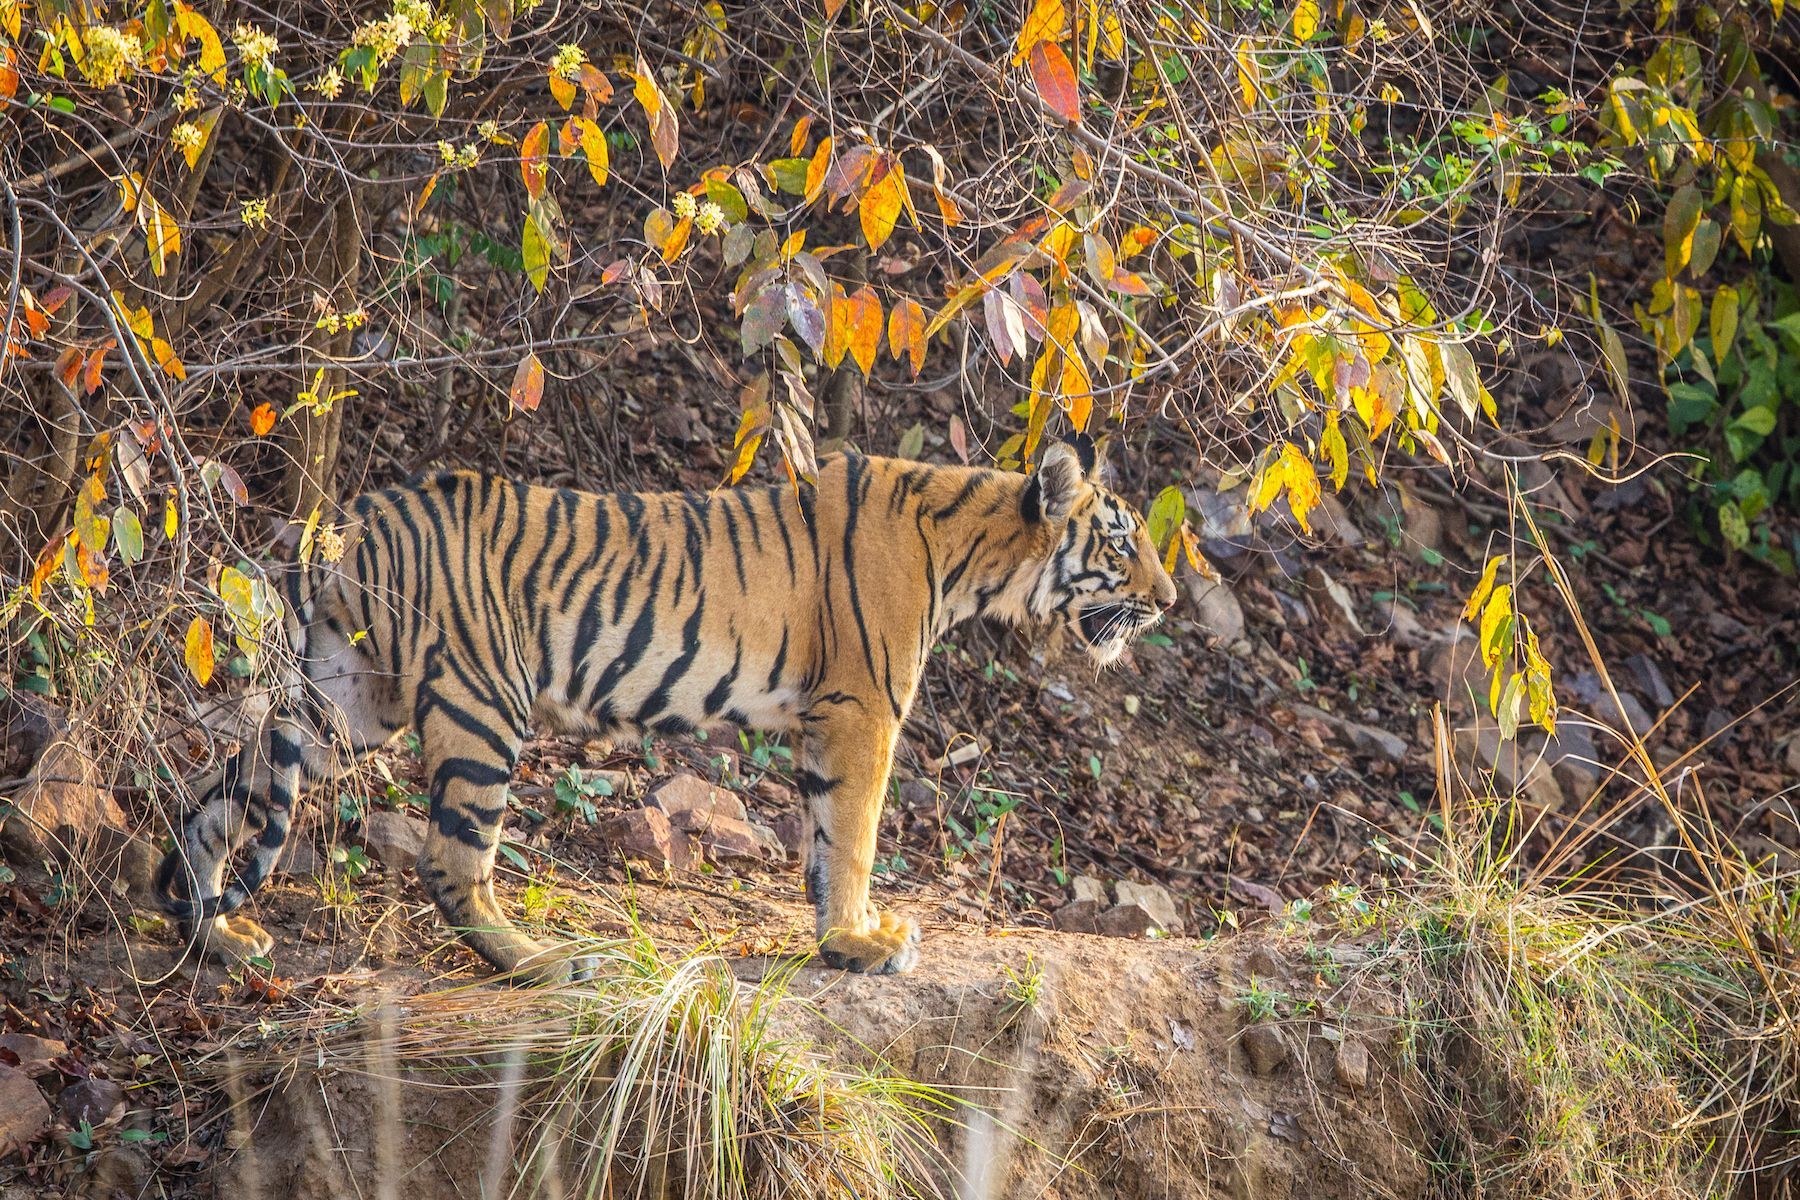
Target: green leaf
x,y
1724,320
534,252
1732,525
128,535
1166,514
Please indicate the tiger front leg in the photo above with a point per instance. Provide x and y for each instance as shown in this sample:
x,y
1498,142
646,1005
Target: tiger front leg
x,y
843,782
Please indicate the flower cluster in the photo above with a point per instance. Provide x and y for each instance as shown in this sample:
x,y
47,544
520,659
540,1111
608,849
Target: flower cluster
x,y
112,54
329,84
255,213
684,205
568,61
188,136
462,159
710,219
332,320
257,46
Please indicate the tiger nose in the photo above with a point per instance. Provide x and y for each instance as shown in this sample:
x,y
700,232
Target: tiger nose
x,y
1165,592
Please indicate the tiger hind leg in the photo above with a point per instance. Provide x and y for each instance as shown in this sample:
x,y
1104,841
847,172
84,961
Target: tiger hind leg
x,y
470,750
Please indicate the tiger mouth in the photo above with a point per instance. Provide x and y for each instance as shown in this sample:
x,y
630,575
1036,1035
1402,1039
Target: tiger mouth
x,y
1105,624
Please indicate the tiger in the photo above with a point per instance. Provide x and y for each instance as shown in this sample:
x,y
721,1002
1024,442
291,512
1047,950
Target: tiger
x,y
471,609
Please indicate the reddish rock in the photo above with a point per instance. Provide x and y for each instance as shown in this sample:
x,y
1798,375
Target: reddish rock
x,y
1079,916
30,1054
645,835
692,804
727,840
1266,1047
24,1113
1352,1064
1128,920
94,1101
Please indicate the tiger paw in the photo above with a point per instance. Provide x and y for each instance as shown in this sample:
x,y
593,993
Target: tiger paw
x,y
890,948
233,941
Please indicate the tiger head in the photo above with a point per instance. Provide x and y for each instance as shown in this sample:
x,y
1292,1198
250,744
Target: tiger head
x,y
1104,577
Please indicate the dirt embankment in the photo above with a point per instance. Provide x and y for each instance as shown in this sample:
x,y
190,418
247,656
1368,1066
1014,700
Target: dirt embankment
x,y
1082,1067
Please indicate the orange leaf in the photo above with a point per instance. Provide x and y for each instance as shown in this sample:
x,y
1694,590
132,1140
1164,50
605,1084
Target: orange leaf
x,y
678,239
68,367
528,384
47,561
91,377
817,169
1077,390
1054,76
534,164
865,327
596,84
802,130
881,204
262,419
906,333
197,649
562,89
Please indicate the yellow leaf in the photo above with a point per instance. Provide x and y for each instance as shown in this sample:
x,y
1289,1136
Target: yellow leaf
x,y
593,145
1077,390
881,204
198,650
1723,322
1306,20
1479,596
1302,484
171,518
838,323
1047,22
1331,442
212,51
1496,624
678,239
562,89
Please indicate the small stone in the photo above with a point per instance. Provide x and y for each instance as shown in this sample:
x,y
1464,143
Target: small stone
x,y
1376,743
918,794
1266,1047
1352,1064
645,835
127,864
93,1100
1154,899
31,1054
692,804
1086,887
118,1170
1649,676
393,837
1079,916
24,1113
1215,609
1264,962
1127,921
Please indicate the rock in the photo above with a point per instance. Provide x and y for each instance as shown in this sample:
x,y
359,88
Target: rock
x,y
61,806
1086,887
1406,628
1265,962
1376,743
1649,676
918,794
1154,899
31,1054
1334,523
645,835
118,1170
1079,916
24,1113
1266,1047
1573,756
93,1100
1424,528
1518,766
1215,610
691,803
791,829
1342,603
127,864
1351,1064
1587,688
1127,921
300,858
727,840
393,837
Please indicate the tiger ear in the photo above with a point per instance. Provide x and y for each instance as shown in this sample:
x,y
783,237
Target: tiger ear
x,y
1091,455
1050,495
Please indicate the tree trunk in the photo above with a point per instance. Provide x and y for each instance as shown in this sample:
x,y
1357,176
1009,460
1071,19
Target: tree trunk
x,y
310,474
